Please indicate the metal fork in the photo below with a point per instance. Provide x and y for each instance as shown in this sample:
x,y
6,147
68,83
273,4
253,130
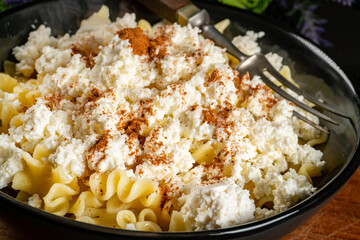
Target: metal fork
x,y
257,64
184,12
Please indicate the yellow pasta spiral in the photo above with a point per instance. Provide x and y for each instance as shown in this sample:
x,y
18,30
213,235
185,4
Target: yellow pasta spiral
x,y
58,198
105,185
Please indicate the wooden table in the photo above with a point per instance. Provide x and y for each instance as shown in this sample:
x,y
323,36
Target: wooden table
x,y
339,219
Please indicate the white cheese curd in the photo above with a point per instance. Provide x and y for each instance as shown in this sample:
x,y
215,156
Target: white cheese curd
x,y
31,51
35,201
51,59
117,155
247,44
218,205
275,60
160,104
10,160
11,100
69,155
32,131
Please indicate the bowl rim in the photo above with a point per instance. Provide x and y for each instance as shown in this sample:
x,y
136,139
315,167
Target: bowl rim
x,y
323,194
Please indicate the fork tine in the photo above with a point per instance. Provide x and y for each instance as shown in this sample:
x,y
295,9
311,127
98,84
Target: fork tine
x,y
303,118
299,91
287,96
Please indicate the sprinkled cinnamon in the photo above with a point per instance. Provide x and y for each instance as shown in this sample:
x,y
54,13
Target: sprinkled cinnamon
x,y
164,196
242,83
137,39
95,94
141,44
209,116
214,76
215,172
88,51
52,101
158,47
156,160
224,113
193,107
267,97
132,129
245,77
99,147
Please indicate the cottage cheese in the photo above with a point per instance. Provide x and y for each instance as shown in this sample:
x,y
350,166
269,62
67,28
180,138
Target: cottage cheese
x,y
10,160
107,104
218,205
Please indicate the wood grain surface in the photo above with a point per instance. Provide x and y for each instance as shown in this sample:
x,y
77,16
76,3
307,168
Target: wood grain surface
x,y
339,219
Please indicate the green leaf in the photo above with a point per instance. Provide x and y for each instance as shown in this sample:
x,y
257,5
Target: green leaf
x,y
3,6
257,6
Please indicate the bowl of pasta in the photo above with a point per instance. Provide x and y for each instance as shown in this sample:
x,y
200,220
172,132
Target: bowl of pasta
x,y
116,124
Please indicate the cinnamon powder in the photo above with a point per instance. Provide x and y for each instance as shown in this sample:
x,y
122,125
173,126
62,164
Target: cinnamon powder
x,y
100,146
142,45
87,51
132,129
138,40
214,76
209,116
157,47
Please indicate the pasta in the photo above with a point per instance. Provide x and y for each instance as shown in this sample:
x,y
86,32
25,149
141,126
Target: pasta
x,y
117,182
222,25
31,179
323,138
309,170
84,203
204,153
57,200
7,83
141,127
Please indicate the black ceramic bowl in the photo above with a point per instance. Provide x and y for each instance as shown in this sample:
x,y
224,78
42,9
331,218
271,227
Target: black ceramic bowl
x,y
316,72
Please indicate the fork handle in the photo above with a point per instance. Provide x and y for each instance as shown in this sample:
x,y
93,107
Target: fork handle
x,y
165,8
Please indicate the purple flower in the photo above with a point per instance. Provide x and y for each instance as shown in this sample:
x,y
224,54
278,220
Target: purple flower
x,y
348,3
309,24
282,3
15,2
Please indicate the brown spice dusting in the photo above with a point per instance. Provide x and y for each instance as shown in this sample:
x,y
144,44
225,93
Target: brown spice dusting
x,y
228,128
214,76
268,99
158,47
132,129
137,38
52,101
209,116
193,107
88,51
245,77
215,172
142,45
154,160
242,82
95,95
132,124
224,113
164,196
146,108
99,147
